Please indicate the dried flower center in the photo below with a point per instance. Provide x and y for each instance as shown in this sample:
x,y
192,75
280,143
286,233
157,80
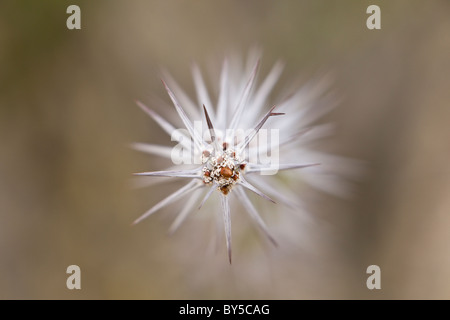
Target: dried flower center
x,y
222,169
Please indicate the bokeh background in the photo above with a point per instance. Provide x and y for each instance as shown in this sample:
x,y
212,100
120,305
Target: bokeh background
x,y
67,116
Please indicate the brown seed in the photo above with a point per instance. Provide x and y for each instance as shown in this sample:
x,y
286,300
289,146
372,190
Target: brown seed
x,y
225,146
224,190
206,153
207,173
235,177
242,166
226,172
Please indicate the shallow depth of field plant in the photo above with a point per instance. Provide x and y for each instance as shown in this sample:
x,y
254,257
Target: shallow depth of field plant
x,y
240,141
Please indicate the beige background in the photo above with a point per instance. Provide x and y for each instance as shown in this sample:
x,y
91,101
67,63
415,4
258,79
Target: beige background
x,y
67,114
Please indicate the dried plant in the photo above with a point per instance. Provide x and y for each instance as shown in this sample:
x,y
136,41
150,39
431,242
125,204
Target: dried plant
x,y
243,138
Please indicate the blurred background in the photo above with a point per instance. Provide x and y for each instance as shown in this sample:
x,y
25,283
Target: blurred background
x,y
67,116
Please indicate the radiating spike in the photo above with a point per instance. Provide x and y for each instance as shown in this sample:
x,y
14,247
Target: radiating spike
x,y
219,234
194,134
200,87
208,194
255,131
210,125
191,186
212,132
247,185
189,106
158,150
318,132
256,168
227,222
276,190
243,99
317,108
164,124
187,208
267,86
223,96
294,138
254,214
194,173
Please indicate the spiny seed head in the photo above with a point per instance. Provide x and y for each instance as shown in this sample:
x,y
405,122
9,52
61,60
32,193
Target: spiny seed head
x,y
243,105
222,169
